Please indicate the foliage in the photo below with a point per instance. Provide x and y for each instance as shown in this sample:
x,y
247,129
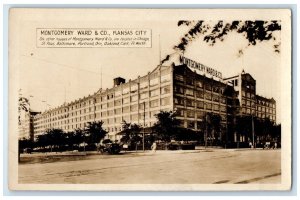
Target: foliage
x,y
95,132
131,133
25,143
253,31
166,125
212,124
23,105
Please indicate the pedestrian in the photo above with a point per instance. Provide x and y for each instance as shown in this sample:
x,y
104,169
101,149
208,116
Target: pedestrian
x,y
275,145
153,147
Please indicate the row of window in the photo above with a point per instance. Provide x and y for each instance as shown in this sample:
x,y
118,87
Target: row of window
x,y
248,95
199,104
191,103
200,84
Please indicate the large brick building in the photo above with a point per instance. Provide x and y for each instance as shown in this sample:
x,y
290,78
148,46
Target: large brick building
x,y
177,88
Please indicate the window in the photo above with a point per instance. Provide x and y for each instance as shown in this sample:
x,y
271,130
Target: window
x,y
144,95
200,104
134,98
248,103
134,117
126,109
141,116
179,77
223,100
243,102
215,89
153,113
189,92
189,103
165,90
111,121
199,114
248,95
110,104
223,108
144,84
243,93
154,93
118,111
191,124
154,103
118,102
165,78
118,93
126,100
154,81
134,87
189,81
190,113
208,106
103,114
110,113
126,118
215,107
235,82
165,101
126,90
142,105
199,84
180,112
207,86
248,110
199,94
179,101
134,107
178,89
208,96
104,106
215,98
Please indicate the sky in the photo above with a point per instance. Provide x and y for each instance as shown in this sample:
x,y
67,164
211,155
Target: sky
x,y
51,76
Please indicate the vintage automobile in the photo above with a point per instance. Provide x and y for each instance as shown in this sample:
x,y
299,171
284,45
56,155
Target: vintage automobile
x,y
108,146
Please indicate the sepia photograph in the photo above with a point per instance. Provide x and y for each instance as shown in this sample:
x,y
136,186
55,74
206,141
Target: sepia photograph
x,y
150,99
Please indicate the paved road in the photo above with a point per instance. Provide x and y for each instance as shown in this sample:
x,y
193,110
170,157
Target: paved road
x,y
192,167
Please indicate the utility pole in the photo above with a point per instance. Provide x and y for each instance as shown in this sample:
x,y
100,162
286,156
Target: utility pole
x,y
144,105
252,131
206,120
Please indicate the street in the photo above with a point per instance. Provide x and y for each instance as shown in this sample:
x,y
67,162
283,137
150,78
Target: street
x,y
219,166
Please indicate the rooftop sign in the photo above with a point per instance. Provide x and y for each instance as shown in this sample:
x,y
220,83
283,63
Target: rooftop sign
x,y
200,67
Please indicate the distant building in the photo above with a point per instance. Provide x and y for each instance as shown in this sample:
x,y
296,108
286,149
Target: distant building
x,y
169,88
26,127
250,102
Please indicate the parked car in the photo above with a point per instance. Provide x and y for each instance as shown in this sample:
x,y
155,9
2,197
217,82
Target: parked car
x,y
110,147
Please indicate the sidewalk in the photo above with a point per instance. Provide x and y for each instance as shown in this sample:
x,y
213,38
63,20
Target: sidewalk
x,y
139,152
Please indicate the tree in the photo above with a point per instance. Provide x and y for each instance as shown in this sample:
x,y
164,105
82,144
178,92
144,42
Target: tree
x,y
166,125
95,132
42,141
131,134
78,137
253,31
55,137
244,126
212,126
23,105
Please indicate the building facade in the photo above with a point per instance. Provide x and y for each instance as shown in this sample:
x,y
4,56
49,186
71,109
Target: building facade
x,y
167,88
